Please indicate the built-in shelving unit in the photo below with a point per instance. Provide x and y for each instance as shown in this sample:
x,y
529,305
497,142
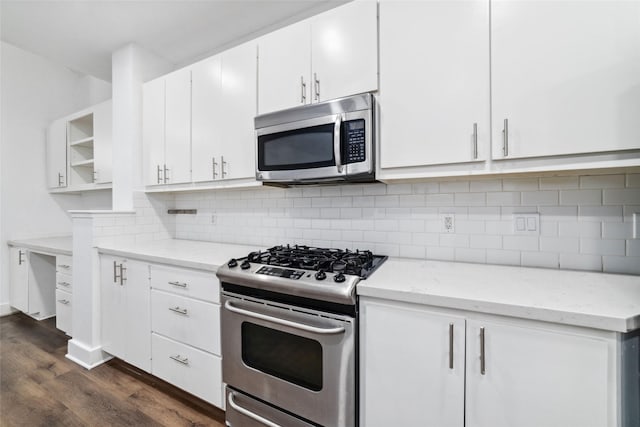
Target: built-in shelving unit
x,y
81,138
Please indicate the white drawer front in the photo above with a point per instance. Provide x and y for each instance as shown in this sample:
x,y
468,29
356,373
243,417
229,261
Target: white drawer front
x,y
190,321
193,283
64,264
192,370
63,311
63,282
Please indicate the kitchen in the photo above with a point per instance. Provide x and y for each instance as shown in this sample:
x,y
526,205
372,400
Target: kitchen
x,y
508,205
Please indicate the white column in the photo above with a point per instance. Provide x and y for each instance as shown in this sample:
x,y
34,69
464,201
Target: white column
x,y
131,67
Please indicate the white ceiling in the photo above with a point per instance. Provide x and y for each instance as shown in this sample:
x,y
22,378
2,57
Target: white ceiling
x,y
82,34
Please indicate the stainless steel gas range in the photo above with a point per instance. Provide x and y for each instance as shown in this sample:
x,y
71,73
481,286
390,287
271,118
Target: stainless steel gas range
x,y
289,336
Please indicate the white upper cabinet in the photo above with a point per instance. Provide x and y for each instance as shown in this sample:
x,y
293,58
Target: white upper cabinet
x,y
102,148
166,128
565,77
331,55
223,109
434,84
283,68
57,154
344,51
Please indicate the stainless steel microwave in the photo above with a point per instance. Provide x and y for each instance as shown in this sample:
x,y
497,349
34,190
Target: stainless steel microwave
x,y
324,142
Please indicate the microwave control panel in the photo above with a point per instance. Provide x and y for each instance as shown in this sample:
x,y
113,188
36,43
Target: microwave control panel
x,y
354,138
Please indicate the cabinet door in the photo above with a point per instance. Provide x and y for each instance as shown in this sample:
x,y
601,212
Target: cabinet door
x,y
102,151
406,376
536,378
57,154
565,75
153,124
206,118
284,68
113,315
178,127
434,82
344,50
238,110
18,279
137,300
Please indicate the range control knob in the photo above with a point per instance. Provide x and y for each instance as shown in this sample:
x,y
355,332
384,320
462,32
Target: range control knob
x,y
245,264
339,278
321,275
232,263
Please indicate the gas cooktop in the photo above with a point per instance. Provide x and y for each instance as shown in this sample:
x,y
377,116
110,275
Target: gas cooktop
x,y
318,273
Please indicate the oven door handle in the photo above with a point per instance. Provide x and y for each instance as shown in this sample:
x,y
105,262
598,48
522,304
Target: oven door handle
x,y
250,414
307,328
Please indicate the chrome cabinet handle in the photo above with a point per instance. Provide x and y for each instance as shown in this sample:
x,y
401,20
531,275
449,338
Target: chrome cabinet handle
x,y
63,301
475,141
482,354
122,278
60,181
177,358
337,137
250,414
301,326
223,172
178,284
115,272
66,284
316,83
166,175
505,138
303,90
213,167
65,266
179,310
158,179
95,176
20,260
450,345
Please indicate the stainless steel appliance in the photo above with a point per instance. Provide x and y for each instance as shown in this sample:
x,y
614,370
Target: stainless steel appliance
x,y
289,336
324,142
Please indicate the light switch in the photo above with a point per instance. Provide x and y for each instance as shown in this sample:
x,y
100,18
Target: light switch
x,y
532,223
526,223
520,224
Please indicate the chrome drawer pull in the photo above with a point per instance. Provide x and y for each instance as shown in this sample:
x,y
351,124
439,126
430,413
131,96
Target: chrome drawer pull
x,y
307,328
64,283
64,266
178,284
183,360
450,345
177,309
482,353
63,301
250,414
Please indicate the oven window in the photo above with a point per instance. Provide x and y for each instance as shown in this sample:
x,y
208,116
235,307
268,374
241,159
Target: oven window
x,y
292,358
305,148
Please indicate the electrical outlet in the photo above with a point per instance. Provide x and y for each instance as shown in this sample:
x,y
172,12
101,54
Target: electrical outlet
x,y
526,223
448,223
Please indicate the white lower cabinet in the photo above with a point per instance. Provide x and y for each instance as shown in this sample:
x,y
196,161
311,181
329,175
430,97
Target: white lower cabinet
x,y
196,371
63,311
432,367
30,283
185,325
64,293
125,303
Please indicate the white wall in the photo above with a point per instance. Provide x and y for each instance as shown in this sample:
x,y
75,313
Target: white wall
x,y
35,91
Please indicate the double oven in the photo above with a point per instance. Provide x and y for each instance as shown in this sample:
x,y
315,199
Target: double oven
x,y
289,339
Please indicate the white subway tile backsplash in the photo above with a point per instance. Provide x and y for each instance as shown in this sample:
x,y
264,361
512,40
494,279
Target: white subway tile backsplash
x,y
485,241
633,180
540,198
520,243
440,253
621,196
503,257
540,259
559,182
603,246
374,189
559,244
619,264
602,181
617,230
577,229
633,248
390,201
600,213
520,184
484,185
425,239
445,199
454,240
470,255
399,189
580,262
425,187
386,225
470,199
558,213
410,251
454,186
581,197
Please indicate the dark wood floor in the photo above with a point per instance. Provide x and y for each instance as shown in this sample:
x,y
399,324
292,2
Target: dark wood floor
x,y
40,387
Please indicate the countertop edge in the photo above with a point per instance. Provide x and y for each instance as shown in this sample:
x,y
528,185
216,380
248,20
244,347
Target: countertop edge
x,y
180,262
40,248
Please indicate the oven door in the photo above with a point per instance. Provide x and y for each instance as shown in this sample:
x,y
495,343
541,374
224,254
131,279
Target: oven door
x,y
300,360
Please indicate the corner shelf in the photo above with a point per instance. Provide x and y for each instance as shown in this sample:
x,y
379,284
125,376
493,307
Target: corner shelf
x,y
81,156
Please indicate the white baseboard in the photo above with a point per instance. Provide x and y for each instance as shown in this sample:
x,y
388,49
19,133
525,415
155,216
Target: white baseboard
x,y
6,309
85,356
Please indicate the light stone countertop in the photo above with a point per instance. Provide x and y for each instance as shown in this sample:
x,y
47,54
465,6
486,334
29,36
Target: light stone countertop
x,y
181,253
62,245
596,300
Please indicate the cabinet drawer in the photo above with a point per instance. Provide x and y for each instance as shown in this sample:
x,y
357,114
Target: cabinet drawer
x,y
63,282
193,283
192,370
64,264
63,311
190,321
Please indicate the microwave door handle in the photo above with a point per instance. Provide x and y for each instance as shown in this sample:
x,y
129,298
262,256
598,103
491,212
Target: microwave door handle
x,y
307,328
337,142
